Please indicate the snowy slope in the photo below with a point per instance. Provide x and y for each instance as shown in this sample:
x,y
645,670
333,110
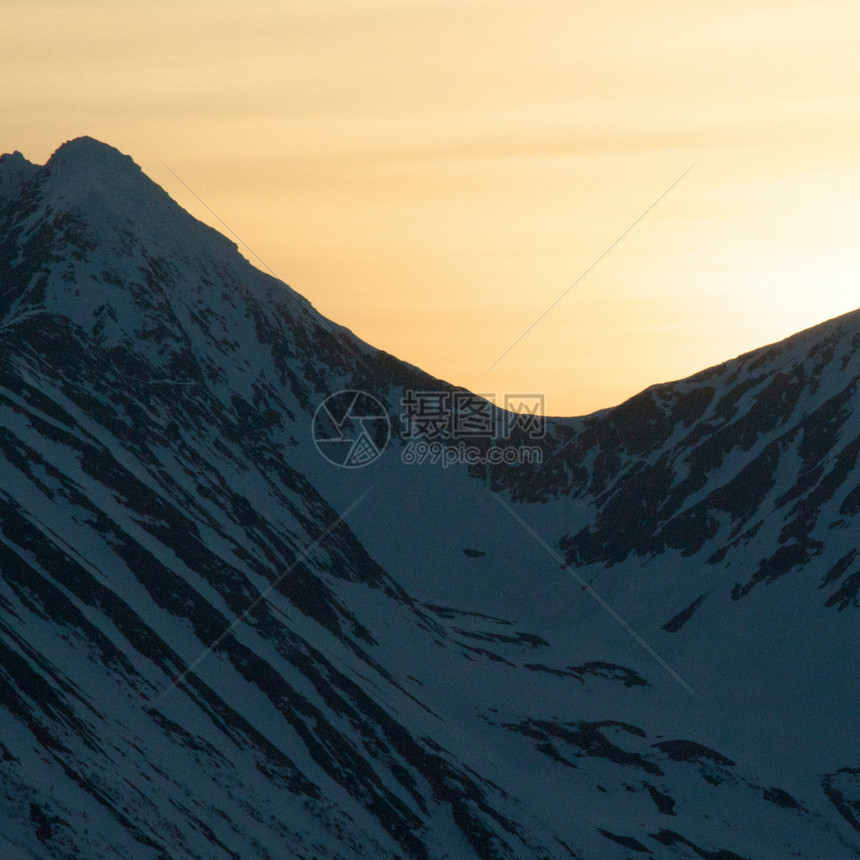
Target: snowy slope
x,y
404,661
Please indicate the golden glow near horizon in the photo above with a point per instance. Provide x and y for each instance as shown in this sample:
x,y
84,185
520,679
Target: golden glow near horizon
x,y
435,174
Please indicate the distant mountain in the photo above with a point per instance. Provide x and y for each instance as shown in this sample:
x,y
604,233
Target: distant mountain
x,y
239,618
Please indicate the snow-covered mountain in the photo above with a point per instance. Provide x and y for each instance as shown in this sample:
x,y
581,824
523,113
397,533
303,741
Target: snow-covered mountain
x,y
216,643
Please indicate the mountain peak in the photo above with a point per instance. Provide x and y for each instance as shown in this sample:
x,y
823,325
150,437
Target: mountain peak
x,y
87,153
104,186
85,165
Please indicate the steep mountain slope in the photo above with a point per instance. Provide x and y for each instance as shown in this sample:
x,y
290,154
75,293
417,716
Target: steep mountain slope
x,y
215,643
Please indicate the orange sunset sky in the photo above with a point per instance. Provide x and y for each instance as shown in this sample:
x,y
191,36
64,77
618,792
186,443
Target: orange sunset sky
x,y
435,174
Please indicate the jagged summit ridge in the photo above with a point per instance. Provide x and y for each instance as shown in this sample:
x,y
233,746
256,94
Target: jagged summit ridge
x,y
14,171
92,208
86,154
107,192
